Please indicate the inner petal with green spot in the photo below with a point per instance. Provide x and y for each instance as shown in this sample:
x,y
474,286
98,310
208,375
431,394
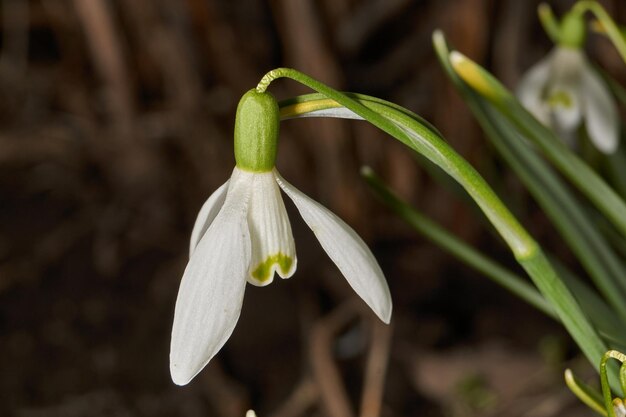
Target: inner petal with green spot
x,y
272,245
265,269
561,98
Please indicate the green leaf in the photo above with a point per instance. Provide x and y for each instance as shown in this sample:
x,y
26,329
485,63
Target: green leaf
x,y
579,173
565,211
537,266
458,248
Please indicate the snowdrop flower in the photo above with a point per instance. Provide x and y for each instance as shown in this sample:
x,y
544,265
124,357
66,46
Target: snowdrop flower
x,y
242,234
563,90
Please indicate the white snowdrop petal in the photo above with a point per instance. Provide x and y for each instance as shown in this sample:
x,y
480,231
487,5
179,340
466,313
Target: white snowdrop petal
x,y
531,87
346,249
273,248
206,215
211,291
338,112
600,111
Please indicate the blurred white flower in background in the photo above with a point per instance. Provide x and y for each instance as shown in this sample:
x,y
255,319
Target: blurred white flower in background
x,y
563,91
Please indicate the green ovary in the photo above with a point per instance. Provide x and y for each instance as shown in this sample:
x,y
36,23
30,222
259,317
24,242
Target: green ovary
x,y
263,272
560,98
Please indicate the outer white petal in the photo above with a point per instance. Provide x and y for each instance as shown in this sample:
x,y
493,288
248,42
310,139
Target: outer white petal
x,y
273,248
601,117
531,88
338,112
211,291
206,215
346,249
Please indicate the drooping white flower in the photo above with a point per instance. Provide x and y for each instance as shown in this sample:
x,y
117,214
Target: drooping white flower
x,y
563,91
242,234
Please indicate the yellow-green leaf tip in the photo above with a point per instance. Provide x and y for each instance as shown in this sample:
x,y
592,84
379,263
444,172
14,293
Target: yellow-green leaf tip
x,y
472,74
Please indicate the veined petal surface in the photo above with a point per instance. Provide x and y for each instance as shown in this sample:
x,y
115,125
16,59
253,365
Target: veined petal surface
x,y
206,215
211,291
273,248
346,249
601,116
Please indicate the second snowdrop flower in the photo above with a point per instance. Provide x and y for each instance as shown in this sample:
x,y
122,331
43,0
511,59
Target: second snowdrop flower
x,y
563,91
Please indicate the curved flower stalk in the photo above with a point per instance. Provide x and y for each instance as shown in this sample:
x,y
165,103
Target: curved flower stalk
x,y
242,233
562,90
604,403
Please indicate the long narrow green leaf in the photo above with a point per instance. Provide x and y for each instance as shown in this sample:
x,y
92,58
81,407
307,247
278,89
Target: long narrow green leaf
x,y
617,169
458,248
408,129
589,183
540,270
561,206
599,313
564,209
549,196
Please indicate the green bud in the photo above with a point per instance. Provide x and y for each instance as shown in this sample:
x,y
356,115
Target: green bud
x,y
573,30
256,131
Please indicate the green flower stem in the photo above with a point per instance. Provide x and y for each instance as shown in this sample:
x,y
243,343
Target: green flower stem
x,y
458,248
430,144
549,22
585,393
613,32
604,378
572,317
579,173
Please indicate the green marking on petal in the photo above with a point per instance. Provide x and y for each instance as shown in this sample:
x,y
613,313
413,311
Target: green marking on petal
x,y
263,272
562,99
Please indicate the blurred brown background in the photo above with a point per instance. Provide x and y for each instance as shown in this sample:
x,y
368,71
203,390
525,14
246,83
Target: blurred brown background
x,y
116,124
